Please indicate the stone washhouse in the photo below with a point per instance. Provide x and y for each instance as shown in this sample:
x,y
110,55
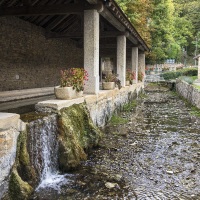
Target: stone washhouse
x,y
38,38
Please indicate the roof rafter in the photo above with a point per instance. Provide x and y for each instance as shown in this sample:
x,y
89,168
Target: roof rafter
x,y
61,9
104,34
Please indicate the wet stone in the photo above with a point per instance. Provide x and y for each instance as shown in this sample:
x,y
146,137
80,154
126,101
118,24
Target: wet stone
x,y
159,158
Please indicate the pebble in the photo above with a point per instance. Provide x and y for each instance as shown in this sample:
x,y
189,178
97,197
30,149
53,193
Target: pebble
x,y
170,172
110,185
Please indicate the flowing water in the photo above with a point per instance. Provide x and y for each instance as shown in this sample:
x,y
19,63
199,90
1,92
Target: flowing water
x,y
154,156
44,152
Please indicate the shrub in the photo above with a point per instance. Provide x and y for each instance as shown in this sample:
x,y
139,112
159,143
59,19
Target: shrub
x,y
182,72
187,79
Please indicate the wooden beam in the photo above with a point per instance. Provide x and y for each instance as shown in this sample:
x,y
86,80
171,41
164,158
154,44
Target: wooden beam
x,y
111,46
26,2
104,34
64,35
56,22
48,9
132,39
92,1
108,34
109,17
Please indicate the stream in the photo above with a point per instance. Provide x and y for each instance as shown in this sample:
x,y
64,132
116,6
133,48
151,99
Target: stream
x,y
154,156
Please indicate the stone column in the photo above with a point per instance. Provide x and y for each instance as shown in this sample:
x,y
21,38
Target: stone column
x,y
134,62
121,59
91,50
141,62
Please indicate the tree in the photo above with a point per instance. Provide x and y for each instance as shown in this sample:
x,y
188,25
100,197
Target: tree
x,y
167,26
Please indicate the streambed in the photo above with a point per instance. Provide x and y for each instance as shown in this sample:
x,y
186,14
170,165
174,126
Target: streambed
x,y
155,155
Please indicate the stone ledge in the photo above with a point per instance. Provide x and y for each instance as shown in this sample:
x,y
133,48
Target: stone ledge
x,y
8,120
24,94
56,104
11,120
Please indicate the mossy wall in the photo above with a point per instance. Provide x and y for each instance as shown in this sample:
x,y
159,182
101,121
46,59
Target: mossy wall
x,y
77,133
22,178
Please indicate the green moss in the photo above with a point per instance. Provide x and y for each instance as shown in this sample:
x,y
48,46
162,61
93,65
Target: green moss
x,y
115,120
28,117
76,134
23,176
22,163
18,189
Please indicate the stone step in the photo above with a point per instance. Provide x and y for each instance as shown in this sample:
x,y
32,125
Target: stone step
x,y
13,95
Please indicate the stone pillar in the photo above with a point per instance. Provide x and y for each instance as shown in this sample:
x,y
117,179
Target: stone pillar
x,y
91,50
121,59
134,62
141,63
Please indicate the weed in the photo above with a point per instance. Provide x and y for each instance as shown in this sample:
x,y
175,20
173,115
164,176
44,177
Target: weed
x,y
196,86
116,120
128,107
195,111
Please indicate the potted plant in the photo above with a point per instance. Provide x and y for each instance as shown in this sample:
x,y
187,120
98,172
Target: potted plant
x,y
130,77
111,81
140,76
71,83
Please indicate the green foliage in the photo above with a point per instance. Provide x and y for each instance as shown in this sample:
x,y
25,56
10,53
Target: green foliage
x,y
171,28
187,79
115,120
195,111
130,106
73,77
140,76
197,87
183,72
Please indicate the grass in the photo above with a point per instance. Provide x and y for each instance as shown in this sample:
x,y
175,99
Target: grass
x,y
196,86
188,79
142,95
116,120
195,111
130,106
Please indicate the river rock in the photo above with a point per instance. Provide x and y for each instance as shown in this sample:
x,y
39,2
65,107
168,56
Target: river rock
x,y
110,185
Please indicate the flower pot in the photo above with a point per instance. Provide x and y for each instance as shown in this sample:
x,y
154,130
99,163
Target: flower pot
x,y
127,83
79,94
133,82
108,85
64,92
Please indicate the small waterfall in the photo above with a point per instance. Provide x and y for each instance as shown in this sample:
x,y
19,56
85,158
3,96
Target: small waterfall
x,y
44,151
44,146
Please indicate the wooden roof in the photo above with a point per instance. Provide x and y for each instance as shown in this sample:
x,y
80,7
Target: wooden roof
x,y
64,18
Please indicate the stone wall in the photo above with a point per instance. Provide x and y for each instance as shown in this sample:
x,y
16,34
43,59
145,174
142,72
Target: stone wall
x,y
10,126
188,92
29,60
100,106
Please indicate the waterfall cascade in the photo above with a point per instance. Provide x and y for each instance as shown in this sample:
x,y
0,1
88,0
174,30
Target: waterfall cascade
x,y
44,151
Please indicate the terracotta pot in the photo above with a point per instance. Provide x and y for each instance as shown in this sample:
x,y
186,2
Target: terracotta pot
x,y
65,93
108,85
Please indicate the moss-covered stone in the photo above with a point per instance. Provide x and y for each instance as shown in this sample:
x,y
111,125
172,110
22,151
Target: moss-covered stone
x,y
77,133
18,189
23,164
23,176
